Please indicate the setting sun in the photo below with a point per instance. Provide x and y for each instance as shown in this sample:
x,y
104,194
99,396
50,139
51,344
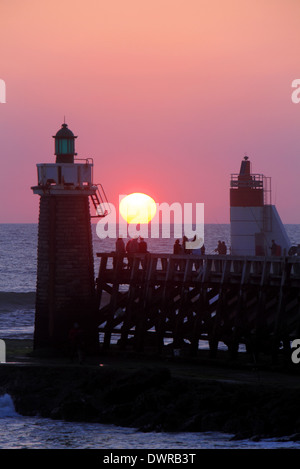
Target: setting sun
x,y
137,208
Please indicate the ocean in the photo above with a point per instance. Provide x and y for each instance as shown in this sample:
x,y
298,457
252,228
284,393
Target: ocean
x,y
18,252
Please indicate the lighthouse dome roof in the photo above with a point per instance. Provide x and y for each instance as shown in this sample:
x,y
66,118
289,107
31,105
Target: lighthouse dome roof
x,y
64,132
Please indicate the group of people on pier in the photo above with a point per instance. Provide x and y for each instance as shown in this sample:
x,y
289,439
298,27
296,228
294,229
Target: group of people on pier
x,y
183,248
133,246
139,245
221,249
178,248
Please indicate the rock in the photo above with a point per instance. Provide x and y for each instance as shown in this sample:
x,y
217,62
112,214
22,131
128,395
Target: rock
x,y
151,399
295,437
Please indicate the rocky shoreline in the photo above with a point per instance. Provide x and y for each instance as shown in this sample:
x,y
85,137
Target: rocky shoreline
x,y
153,397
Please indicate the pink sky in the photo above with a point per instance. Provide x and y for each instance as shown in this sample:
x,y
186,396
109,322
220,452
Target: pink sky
x,y
167,96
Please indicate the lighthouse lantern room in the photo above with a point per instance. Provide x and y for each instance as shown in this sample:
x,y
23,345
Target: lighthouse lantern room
x,y
64,145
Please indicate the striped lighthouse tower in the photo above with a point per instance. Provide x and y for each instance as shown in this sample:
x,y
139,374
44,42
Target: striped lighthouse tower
x,y
65,291
254,222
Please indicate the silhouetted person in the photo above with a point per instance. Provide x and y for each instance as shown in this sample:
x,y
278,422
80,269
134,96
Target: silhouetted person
x,y
76,343
132,247
143,246
128,245
184,241
219,248
120,246
177,249
273,248
223,248
199,250
196,251
143,249
120,250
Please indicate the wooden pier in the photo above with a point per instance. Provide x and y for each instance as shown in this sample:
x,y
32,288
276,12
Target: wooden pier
x,y
154,298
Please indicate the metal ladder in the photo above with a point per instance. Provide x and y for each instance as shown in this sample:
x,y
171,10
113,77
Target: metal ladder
x,y
100,202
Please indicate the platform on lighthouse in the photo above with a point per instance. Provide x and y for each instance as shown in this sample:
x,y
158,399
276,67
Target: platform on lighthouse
x,y
71,179
62,176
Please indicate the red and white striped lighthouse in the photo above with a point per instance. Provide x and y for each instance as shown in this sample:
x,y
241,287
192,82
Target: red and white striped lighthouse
x,y
254,221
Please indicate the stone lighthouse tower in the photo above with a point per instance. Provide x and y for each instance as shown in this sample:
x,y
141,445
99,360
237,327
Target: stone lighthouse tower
x,y
65,292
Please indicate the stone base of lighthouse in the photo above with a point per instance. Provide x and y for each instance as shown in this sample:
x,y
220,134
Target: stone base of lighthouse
x,y
65,292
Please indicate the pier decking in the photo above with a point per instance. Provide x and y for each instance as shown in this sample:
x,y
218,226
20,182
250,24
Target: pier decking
x,y
185,299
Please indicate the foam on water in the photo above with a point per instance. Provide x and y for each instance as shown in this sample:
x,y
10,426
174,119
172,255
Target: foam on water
x,y
40,433
7,408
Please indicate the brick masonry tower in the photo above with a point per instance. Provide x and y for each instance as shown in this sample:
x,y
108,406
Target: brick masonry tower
x,y
65,291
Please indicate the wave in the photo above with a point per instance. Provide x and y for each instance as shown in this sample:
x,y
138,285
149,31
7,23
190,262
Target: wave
x,y
11,301
7,408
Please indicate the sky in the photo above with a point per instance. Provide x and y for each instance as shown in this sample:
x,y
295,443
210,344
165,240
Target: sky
x,y
166,96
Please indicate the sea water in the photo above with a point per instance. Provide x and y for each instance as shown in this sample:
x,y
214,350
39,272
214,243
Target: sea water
x,y
18,432
18,253
18,256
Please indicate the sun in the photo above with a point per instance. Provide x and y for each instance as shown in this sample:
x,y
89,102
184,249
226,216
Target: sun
x,y
137,208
